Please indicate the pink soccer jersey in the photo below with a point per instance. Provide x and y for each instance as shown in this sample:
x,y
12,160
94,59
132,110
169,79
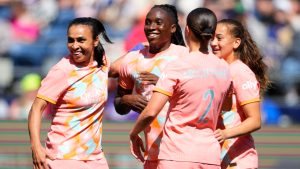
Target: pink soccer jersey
x,y
196,85
79,96
140,61
240,150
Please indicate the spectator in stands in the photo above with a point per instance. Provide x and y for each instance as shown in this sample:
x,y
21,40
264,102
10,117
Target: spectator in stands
x,y
20,107
3,108
25,32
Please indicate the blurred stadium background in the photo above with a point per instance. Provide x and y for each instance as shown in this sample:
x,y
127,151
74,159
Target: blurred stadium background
x,y
33,38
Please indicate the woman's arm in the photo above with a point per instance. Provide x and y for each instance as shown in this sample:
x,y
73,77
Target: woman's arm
x,y
34,126
126,101
156,103
250,124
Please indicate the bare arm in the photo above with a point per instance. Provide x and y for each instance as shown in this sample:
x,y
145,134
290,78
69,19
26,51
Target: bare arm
x,y
148,78
227,103
156,103
250,124
126,101
34,126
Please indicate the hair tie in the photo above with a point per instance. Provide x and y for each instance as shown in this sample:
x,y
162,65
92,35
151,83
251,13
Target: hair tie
x,y
207,31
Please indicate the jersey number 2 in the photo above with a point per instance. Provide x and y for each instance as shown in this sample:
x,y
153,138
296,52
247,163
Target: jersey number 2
x,y
206,95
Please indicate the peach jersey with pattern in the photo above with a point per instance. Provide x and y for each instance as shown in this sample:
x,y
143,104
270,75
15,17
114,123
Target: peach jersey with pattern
x,y
196,85
78,95
140,61
246,89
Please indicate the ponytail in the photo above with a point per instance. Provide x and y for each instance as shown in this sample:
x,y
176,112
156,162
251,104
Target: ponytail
x,y
248,52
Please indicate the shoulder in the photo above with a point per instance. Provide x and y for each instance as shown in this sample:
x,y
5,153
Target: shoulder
x,y
178,64
178,49
223,63
63,66
65,61
238,68
132,56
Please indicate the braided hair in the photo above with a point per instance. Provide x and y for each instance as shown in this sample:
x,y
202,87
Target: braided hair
x,y
177,37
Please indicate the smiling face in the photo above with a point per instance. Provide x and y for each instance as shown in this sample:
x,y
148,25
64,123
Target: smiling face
x,y
224,44
158,29
81,44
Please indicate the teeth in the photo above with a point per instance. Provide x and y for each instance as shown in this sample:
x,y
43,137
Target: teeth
x,y
77,53
152,35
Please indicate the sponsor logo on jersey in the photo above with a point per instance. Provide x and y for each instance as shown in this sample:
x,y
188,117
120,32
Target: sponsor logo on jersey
x,y
249,85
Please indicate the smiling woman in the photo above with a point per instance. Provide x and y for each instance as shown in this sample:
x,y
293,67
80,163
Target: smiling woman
x,y
233,43
194,85
140,70
77,89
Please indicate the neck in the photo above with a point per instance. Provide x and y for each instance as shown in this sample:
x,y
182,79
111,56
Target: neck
x,y
197,46
231,58
156,49
194,46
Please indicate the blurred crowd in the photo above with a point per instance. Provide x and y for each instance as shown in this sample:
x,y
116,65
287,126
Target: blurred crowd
x,y
33,38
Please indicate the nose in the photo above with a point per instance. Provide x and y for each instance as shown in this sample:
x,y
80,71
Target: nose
x,y
213,42
75,45
151,26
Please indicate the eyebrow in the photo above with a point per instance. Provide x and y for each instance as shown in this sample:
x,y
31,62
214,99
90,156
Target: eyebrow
x,y
77,38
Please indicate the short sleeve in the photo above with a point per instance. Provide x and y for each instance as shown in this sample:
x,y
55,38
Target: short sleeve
x,y
139,46
246,87
125,74
53,85
167,81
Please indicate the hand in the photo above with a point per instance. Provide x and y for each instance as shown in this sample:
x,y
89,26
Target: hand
x,y
220,135
148,78
137,147
39,157
135,101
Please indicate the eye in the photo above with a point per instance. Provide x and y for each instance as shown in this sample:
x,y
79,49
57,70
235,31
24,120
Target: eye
x,y
159,22
147,22
219,38
70,40
81,39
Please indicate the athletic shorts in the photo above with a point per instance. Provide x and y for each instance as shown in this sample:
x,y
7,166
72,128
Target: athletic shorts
x,y
77,164
168,164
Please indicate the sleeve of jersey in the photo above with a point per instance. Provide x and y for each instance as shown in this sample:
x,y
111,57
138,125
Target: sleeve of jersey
x,y
167,82
125,78
246,87
52,85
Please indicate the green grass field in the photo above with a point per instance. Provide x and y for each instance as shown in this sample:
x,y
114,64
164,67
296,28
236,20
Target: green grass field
x,y
278,147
